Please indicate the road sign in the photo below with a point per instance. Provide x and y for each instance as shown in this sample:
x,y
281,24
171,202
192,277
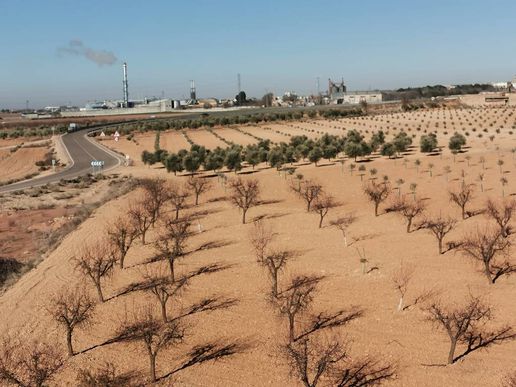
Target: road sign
x,y
116,135
97,163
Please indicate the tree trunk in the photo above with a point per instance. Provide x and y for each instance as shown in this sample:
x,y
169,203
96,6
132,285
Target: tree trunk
x,y
177,213
376,208
321,220
164,310
453,344
171,265
274,289
152,364
143,237
409,223
400,305
487,272
69,341
196,198
440,245
243,215
291,328
99,291
463,212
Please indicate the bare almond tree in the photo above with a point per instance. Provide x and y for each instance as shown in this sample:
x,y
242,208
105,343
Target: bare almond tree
x,y
315,362
140,218
462,197
465,324
502,214
28,364
71,308
172,241
308,191
343,224
322,206
401,279
439,226
121,234
490,248
296,298
409,209
155,196
155,335
377,193
198,186
163,289
244,194
96,262
177,196
275,262
261,236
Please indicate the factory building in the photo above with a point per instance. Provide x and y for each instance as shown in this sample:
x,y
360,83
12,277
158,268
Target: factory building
x,y
338,94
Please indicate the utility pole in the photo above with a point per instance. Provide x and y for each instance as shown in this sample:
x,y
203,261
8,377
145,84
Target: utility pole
x,y
239,86
318,86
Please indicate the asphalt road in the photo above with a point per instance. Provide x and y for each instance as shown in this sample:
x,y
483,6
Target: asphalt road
x,y
82,151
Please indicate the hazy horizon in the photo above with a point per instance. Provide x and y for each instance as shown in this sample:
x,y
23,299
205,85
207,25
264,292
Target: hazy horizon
x,y
69,52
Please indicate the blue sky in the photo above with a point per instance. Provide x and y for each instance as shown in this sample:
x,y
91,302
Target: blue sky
x,y
274,45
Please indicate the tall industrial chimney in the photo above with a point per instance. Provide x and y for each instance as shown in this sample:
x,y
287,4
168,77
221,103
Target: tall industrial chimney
x,y
193,93
126,87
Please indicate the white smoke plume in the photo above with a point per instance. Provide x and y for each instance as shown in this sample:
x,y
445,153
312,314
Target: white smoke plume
x,y
77,47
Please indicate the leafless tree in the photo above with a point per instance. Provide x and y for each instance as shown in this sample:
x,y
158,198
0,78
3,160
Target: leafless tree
x,y
401,279
315,362
275,262
261,236
198,186
31,364
71,308
103,376
163,288
486,245
409,209
244,194
96,262
462,197
172,241
140,219
177,196
308,191
343,224
155,335
439,226
377,193
501,214
322,205
155,197
466,324
296,298
121,235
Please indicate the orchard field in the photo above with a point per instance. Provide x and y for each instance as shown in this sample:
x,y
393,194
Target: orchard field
x,y
353,248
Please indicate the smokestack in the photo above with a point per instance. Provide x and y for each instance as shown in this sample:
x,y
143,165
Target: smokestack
x,y
126,86
193,93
